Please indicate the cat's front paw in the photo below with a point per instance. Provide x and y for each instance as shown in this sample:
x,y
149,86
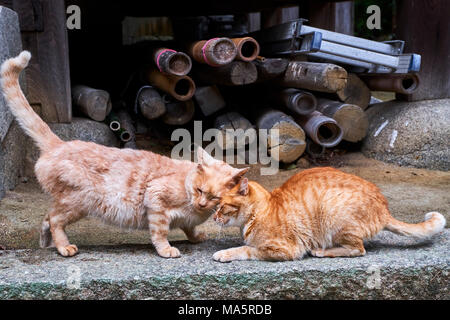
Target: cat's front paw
x,y
169,252
199,237
319,253
223,256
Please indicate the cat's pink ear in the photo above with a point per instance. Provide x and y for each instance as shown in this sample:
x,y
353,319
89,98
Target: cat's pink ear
x,y
203,157
243,187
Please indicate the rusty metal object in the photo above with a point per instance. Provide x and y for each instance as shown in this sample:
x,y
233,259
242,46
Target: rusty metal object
x,y
298,101
247,48
172,62
214,52
404,83
181,88
322,130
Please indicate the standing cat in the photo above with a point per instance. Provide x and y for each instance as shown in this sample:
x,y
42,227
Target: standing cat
x,y
125,187
323,211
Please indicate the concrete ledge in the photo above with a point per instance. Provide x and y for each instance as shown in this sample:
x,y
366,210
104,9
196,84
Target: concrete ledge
x,y
408,269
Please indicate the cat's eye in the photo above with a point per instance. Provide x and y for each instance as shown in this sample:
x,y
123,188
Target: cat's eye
x,y
199,190
215,198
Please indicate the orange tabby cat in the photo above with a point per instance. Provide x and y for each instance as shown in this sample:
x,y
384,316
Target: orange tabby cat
x,y
129,188
321,211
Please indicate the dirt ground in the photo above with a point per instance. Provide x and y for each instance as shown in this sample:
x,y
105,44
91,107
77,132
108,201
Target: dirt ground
x,y
411,193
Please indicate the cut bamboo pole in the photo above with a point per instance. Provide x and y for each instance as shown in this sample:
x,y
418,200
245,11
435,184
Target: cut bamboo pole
x,y
237,125
355,92
247,48
351,118
172,62
181,88
314,76
94,103
128,133
150,103
291,144
178,112
236,73
322,130
214,52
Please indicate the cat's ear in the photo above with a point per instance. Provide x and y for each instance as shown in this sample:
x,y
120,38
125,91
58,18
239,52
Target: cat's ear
x,y
243,187
237,176
203,157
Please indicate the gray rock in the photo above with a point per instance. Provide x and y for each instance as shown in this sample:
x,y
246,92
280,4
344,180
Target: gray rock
x,y
394,267
413,134
79,129
11,141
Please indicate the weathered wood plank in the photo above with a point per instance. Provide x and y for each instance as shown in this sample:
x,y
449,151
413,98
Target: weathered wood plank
x,y
48,75
425,27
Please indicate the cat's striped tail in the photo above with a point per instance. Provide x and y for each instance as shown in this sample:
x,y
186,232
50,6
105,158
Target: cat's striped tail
x,y
33,125
434,223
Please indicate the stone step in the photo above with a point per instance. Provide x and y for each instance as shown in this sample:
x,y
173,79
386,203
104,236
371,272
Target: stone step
x,y
394,267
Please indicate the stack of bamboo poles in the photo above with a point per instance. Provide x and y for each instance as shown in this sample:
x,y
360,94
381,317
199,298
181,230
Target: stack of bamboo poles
x,y
313,105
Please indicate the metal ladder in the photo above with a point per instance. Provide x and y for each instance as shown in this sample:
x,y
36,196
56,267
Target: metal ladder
x,y
360,55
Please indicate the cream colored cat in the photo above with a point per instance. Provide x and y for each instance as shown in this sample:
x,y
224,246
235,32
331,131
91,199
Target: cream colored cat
x,y
125,187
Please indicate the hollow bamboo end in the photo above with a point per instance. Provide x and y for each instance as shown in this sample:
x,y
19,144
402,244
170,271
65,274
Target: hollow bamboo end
x,y
247,49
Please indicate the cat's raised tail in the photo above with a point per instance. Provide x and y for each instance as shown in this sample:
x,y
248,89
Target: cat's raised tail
x,y
33,125
434,223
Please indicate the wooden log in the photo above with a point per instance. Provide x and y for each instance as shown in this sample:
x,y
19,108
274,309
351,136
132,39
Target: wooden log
x,y
179,112
291,144
270,68
355,92
351,118
401,83
297,101
247,48
233,121
172,62
209,99
235,73
181,88
324,77
214,52
150,103
94,103
321,129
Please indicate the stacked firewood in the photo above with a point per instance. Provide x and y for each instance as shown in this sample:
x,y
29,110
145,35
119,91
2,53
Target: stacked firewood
x,y
314,105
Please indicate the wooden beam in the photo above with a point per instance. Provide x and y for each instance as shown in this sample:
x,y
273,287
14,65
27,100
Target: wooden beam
x,y
48,75
425,27
334,16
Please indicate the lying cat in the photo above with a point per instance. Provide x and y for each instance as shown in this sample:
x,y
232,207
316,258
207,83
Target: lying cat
x,y
321,211
125,187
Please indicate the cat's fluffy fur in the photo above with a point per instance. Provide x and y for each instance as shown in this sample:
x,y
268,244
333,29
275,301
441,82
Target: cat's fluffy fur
x,y
128,188
321,211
